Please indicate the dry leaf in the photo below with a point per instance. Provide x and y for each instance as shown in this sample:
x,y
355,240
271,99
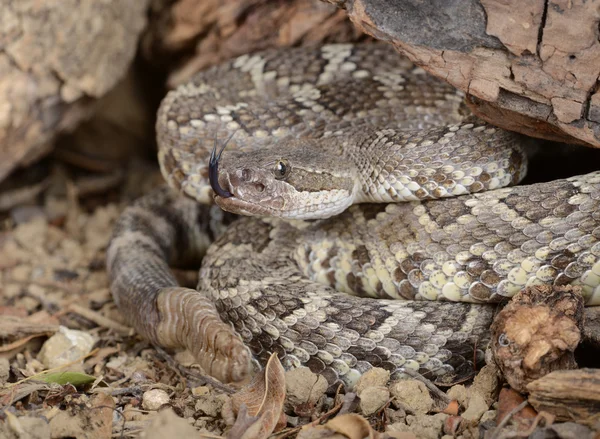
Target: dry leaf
x,y
260,404
350,425
508,400
452,408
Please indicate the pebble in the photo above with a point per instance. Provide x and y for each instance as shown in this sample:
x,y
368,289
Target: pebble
x,y
65,346
168,424
304,387
210,405
154,399
413,394
477,406
372,399
486,383
458,393
489,415
422,426
200,391
376,377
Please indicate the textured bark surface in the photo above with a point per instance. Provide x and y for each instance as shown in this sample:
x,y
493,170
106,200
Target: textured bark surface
x,y
530,66
56,58
188,35
570,395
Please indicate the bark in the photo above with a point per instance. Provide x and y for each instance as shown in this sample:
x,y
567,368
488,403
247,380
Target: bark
x,y
570,395
186,36
530,66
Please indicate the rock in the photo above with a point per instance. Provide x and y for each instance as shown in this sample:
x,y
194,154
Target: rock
x,y
511,57
66,346
87,418
487,383
489,415
24,427
376,377
413,394
458,393
167,424
200,391
210,405
155,399
304,386
55,59
422,426
477,406
372,399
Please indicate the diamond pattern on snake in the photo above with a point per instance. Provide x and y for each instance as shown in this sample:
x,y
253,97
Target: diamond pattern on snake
x,y
381,221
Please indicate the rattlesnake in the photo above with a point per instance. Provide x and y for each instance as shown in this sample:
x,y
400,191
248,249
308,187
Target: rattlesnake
x,y
282,285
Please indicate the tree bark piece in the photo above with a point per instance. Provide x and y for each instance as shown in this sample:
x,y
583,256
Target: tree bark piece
x,y
530,66
56,58
570,395
212,31
537,333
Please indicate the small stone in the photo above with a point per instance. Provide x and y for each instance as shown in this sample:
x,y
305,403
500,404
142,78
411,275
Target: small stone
x,y
486,383
489,415
168,424
66,346
200,390
413,394
458,393
376,377
422,426
154,399
210,405
372,399
29,427
476,408
131,413
304,387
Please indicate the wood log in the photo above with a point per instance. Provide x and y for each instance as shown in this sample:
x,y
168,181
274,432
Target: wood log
x,y
570,395
530,66
186,36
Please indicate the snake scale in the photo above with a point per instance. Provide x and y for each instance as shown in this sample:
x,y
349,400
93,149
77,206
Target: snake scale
x,y
312,132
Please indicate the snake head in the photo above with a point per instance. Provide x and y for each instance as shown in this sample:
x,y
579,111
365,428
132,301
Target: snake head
x,y
295,179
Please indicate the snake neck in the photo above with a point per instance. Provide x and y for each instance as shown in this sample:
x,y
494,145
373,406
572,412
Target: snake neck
x,y
399,166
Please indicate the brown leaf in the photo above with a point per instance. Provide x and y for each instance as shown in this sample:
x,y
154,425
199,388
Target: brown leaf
x,y
263,401
351,426
507,401
452,408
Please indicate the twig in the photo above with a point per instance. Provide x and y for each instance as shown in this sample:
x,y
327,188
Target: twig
x,y
504,422
99,319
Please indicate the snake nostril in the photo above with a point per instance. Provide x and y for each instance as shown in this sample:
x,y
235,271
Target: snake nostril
x,y
259,187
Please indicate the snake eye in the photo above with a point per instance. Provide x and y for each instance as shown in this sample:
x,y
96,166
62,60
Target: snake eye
x,y
282,169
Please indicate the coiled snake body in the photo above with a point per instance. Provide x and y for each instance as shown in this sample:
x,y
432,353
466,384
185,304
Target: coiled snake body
x,y
315,131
